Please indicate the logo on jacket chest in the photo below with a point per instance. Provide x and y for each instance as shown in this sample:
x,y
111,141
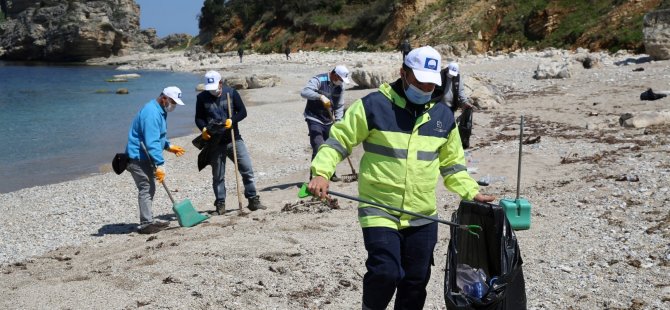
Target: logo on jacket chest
x,y
439,127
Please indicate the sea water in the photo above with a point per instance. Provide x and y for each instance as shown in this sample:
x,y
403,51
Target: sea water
x,y
59,123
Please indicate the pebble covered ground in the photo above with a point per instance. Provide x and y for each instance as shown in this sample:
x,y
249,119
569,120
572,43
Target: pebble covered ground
x,y
599,239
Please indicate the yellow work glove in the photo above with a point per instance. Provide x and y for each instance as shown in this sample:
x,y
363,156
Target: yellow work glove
x,y
177,150
160,174
326,102
205,134
229,123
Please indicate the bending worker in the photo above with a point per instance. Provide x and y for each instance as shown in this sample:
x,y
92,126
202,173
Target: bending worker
x,y
325,105
408,141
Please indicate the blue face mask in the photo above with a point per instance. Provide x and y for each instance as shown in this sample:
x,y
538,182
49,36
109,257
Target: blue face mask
x,y
416,95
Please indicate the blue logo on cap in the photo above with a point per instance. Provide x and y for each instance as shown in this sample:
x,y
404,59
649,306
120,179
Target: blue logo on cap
x,y
431,63
210,80
179,95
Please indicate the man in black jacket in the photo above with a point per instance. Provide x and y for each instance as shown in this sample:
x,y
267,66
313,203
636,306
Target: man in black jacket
x,y
455,98
213,120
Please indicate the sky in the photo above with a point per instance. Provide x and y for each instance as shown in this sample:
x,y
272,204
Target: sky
x,y
170,16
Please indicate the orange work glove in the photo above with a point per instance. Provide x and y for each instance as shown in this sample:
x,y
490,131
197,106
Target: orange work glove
x,y
205,134
229,123
177,150
160,174
326,102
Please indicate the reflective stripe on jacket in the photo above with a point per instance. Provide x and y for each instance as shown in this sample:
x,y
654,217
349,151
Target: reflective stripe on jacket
x,y
314,110
404,155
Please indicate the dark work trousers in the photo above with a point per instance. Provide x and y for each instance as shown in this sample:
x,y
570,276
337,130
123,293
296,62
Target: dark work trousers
x,y
398,260
318,133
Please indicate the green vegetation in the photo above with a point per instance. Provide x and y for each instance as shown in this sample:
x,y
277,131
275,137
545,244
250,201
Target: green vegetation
x,y
606,24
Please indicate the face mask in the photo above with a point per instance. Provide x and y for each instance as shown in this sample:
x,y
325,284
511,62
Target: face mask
x,y
214,93
170,107
416,95
337,83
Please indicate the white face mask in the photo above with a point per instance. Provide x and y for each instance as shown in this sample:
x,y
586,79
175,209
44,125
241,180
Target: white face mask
x,y
214,93
170,107
337,83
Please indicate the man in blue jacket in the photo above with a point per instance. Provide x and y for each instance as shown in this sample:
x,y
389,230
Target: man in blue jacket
x,y
150,129
325,105
213,120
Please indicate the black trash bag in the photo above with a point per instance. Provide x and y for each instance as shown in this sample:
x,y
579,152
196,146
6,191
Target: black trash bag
x,y
650,95
120,162
465,127
496,251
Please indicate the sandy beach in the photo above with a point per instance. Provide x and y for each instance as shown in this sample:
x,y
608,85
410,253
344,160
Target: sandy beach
x,y
599,192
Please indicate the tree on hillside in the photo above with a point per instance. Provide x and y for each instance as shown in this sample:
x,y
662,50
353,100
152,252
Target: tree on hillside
x,y
3,8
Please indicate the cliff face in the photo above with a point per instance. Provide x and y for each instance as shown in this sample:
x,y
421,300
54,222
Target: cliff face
x,y
70,30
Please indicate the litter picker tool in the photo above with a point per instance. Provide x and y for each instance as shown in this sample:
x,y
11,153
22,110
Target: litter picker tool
x,y
472,229
237,175
353,177
187,216
518,210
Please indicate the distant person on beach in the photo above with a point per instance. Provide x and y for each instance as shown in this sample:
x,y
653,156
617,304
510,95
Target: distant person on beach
x,y
325,105
405,48
409,141
214,122
287,51
455,98
149,129
240,52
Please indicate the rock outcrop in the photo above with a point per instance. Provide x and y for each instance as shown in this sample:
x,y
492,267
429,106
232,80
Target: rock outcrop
x,y
552,70
657,34
71,30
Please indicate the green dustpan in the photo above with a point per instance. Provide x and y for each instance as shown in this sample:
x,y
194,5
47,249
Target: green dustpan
x,y
187,216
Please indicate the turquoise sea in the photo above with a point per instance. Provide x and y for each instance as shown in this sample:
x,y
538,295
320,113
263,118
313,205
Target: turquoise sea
x,y
61,122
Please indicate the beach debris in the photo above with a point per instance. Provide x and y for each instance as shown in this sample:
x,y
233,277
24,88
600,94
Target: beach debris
x,y
650,95
122,91
629,178
638,69
170,279
531,140
313,205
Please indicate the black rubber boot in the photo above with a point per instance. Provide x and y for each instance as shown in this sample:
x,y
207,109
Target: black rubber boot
x,y
220,207
255,204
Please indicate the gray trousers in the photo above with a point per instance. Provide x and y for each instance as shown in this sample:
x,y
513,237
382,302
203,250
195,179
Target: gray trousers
x,y
143,174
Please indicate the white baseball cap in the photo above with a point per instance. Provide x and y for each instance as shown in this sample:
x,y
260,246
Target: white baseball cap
x,y
343,73
212,79
174,93
425,62
453,68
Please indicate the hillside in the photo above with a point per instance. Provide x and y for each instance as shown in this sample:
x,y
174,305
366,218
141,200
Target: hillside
x,y
474,25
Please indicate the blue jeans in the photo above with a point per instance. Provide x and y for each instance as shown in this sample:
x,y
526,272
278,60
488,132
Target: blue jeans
x,y
243,165
318,133
398,259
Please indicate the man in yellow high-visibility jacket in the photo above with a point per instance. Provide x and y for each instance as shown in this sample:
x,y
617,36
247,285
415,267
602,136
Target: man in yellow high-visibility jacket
x,y
408,141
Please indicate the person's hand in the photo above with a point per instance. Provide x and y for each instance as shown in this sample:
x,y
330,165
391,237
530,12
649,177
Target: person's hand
x,y
160,174
177,150
228,124
484,198
325,101
318,186
205,134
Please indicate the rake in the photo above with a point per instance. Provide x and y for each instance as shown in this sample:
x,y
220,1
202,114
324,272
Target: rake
x,y
353,177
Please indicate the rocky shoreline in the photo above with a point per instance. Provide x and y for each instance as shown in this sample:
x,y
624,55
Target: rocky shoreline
x,y
600,223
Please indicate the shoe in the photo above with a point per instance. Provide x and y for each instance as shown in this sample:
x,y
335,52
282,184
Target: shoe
x,y
220,207
255,204
161,223
150,228
335,178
